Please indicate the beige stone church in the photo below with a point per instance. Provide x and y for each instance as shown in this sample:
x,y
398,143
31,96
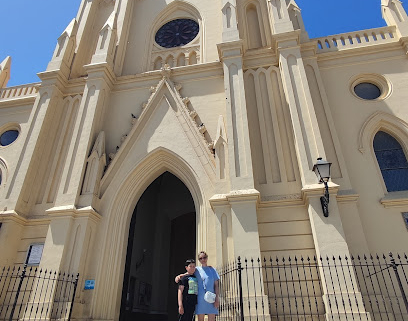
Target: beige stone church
x,y
161,128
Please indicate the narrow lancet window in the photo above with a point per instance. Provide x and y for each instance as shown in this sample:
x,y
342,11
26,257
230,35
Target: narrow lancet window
x,y
392,161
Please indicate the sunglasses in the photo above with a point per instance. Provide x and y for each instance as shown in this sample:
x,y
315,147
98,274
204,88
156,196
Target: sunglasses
x,y
203,258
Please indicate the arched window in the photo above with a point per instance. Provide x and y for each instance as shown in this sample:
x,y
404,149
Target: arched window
x,y
392,161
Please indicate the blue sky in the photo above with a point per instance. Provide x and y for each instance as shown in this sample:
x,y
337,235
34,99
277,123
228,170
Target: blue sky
x,y
30,39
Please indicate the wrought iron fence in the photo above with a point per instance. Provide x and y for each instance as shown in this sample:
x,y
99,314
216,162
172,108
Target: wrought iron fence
x,y
360,288
30,293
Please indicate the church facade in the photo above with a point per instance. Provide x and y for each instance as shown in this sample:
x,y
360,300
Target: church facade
x,y
163,128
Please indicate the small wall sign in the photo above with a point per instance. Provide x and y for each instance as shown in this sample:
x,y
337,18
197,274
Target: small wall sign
x,y
34,254
89,285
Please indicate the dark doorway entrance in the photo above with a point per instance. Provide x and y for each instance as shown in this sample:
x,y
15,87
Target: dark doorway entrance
x,y
162,236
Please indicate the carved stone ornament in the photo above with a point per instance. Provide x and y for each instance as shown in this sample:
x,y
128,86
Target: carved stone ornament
x,y
202,128
134,119
178,86
193,114
186,100
166,71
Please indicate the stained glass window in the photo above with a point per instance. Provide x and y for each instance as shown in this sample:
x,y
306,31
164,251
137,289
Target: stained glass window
x,y
8,137
392,161
177,33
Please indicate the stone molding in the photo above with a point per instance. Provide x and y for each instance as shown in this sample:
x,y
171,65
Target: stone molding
x,y
377,121
395,199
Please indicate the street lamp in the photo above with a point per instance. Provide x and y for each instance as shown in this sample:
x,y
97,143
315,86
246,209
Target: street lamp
x,y
322,171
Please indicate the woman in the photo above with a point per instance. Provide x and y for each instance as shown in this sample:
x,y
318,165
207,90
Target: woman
x,y
206,276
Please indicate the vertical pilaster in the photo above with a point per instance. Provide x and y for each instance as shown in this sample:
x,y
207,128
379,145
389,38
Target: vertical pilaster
x,y
328,233
12,227
21,190
87,126
308,141
245,224
222,211
330,241
239,150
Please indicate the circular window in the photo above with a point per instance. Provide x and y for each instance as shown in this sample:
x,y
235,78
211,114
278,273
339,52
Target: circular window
x,y
367,91
8,137
177,33
372,87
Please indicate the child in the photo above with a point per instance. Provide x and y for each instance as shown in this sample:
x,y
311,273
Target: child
x,y
187,292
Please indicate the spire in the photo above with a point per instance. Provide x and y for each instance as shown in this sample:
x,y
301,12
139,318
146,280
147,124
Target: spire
x,y
107,41
394,15
229,21
5,72
295,16
64,51
279,17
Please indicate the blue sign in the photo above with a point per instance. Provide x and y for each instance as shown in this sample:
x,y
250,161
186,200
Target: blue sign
x,y
89,284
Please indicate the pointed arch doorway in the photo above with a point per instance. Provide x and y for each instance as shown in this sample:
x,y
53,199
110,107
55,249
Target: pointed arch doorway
x,y
162,235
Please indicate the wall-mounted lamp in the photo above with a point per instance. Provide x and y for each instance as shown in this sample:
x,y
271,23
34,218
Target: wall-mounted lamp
x,y
322,171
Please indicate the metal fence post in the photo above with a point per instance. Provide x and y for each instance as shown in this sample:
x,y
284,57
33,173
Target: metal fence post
x,y
73,297
23,273
241,299
394,267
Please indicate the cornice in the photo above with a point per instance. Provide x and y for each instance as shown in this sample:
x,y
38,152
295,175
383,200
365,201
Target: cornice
x,y
61,212
358,51
178,74
317,190
237,196
15,102
347,196
395,199
101,71
54,78
260,58
13,216
231,49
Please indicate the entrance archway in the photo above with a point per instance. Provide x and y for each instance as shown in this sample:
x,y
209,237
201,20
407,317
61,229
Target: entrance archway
x,y
162,235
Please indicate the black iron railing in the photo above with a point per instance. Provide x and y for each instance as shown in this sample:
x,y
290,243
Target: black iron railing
x,y
352,288
30,293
